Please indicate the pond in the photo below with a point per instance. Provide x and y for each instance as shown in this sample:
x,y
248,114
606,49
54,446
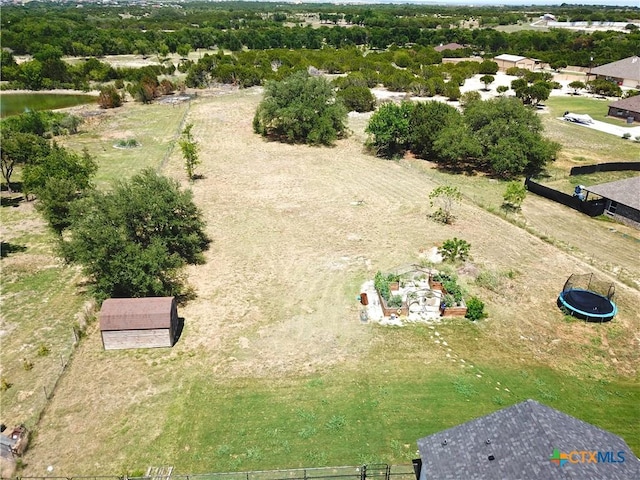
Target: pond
x,y
15,103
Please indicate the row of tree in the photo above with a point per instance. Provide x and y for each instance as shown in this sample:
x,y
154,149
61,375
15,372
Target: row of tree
x,y
120,30
499,136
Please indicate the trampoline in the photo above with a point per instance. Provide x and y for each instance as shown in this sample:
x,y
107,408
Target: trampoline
x,y
586,298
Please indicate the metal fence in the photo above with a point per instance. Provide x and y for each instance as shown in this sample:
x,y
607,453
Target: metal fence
x,y
362,472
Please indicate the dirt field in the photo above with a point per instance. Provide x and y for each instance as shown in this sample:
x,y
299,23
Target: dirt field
x,y
295,230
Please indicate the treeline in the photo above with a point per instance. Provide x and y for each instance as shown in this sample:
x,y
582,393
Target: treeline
x,y
96,30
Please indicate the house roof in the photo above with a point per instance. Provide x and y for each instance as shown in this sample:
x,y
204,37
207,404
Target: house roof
x,y
631,104
628,68
448,46
626,192
510,58
136,313
522,438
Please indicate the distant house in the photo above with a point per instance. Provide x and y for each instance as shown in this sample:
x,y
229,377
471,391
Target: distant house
x,y
625,108
506,61
548,17
448,46
138,322
527,441
625,72
623,198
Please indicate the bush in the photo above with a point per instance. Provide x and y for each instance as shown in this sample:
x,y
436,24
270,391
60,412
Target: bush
x,y
357,99
455,249
475,309
109,97
395,301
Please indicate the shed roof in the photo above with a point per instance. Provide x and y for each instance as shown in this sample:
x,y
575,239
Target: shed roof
x,y
628,68
626,192
448,46
507,57
631,104
522,438
136,313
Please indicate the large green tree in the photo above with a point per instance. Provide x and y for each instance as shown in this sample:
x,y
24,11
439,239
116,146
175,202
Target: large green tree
x,y
58,179
301,109
510,137
425,123
17,149
133,240
388,129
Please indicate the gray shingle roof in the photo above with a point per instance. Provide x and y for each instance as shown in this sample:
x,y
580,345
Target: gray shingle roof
x,y
626,192
632,104
628,68
448,46
521,439
136,313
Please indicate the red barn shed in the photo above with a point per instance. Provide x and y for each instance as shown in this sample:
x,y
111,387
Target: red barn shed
x,y
138,322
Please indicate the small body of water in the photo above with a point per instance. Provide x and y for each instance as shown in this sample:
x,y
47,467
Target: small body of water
x,y
16,103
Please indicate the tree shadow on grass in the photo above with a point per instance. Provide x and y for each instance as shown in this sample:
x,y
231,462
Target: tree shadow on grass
x,y
7,248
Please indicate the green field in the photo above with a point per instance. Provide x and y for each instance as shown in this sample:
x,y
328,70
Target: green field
x,y
371,413
274,368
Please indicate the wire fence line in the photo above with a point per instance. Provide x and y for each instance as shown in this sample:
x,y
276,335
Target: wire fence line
x,y
362,472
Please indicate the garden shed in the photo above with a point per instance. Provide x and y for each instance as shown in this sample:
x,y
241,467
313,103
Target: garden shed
x,y
138,322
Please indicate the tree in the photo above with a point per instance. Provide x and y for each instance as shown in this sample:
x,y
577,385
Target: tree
x,y
58,179
133,240
18,148
189,151
488,67
487,80
514,195
454,249
445,197
600,86
59,163
357,98
510,137
301,109
558,65
469,97
425,124
388,129
502,89
184,49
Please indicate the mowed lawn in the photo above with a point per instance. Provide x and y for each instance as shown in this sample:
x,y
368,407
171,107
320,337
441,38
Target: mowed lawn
x,y
274,368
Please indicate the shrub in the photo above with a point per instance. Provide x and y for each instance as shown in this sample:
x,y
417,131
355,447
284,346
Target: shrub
x,y
5,384
475,309
395,301
43,350
109,97
357,98
455,249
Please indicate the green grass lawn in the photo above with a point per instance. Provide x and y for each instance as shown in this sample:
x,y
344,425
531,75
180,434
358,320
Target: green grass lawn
x,y
373,413
595,108
155,127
